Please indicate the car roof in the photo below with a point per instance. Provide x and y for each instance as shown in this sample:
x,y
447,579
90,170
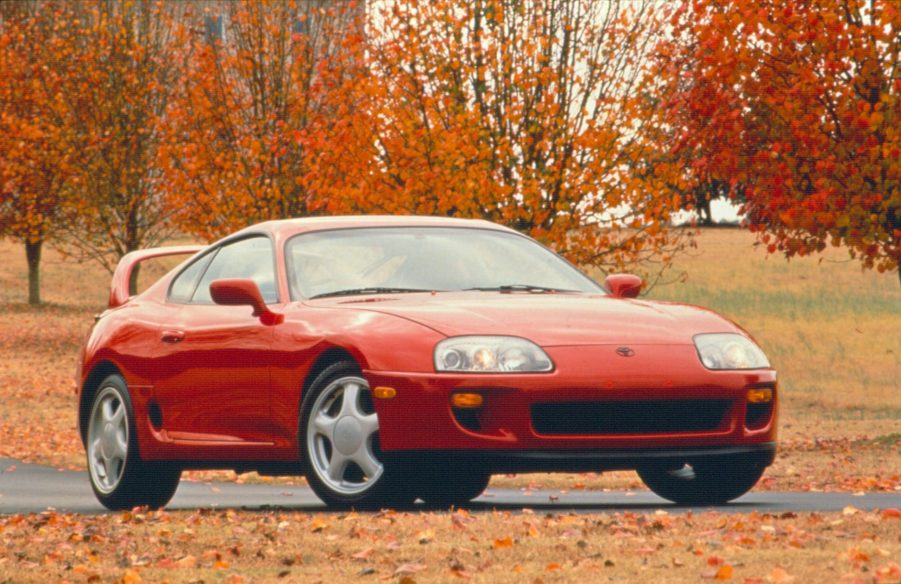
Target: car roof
x,y
288,227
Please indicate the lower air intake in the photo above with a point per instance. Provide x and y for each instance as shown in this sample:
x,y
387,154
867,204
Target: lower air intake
x,y
629,417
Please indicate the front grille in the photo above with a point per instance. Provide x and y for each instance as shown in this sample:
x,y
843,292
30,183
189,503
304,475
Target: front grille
x,y
629,417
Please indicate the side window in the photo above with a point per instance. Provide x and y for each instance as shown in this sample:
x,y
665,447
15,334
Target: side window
x,y
249,258
182,288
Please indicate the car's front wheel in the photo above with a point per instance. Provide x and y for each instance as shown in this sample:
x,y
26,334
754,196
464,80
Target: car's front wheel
x,y
698,484
339,442
119,478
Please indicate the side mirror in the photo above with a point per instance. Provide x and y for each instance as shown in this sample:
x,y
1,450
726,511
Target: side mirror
x,y
623,285
241,292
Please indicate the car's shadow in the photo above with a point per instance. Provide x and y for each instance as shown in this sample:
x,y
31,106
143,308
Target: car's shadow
x,y
482,506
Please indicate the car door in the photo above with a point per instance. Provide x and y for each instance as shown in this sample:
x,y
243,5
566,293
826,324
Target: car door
x,y
213,371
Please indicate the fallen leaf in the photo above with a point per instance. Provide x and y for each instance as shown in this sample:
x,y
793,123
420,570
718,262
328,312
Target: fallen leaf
x,y
409,568
425,536
891,513
890,573
778,575
362,554
858,556
504,542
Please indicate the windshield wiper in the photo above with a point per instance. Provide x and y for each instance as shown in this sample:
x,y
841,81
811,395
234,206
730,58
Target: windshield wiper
x,y
372,290
531,288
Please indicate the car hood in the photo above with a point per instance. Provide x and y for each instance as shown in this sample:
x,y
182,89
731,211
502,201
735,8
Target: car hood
x,y
547,319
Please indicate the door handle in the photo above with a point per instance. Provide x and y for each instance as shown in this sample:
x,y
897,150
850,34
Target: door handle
x,y
173,336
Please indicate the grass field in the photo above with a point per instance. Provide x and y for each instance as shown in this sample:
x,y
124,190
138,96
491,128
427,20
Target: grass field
x,y
832,331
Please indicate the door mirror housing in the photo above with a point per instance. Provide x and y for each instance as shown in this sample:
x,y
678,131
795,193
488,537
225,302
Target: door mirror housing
x,y
623,285
243,292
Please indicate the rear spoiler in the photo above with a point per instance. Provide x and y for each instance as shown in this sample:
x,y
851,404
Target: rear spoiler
x,y
120,290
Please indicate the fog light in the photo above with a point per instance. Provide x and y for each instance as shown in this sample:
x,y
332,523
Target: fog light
x,y
466,400
760,395
384,392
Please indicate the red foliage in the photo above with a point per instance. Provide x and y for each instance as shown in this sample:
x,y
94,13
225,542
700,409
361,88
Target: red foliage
x,y
799,103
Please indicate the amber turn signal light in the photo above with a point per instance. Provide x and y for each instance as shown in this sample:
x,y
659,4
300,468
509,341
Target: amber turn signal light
x,y
760,395
466,400
384,392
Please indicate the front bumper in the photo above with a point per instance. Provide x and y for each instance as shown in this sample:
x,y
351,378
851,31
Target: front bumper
x,y
420,417
500,461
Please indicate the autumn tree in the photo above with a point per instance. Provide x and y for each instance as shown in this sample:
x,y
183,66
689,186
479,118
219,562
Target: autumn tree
x,y
522,112
798,103
118,64
34,167
256,109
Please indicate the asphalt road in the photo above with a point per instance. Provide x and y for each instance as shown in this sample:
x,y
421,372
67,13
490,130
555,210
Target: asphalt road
x,y
29,488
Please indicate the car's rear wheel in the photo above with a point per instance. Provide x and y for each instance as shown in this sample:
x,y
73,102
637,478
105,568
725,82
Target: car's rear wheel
x,y
702,483
119,478
339,443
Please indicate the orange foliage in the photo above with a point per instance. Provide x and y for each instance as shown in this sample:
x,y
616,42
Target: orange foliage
x,y
798,102
523,113
528,113
115,66
32,173
34,167
256,111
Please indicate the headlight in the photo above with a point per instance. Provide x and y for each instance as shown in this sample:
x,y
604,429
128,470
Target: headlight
x,y
490,355
729,351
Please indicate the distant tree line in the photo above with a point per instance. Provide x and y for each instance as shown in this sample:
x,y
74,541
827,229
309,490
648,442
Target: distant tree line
x,y
585,124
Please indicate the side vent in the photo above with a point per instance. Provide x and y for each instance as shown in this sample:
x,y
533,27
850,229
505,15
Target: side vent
x,y
156,415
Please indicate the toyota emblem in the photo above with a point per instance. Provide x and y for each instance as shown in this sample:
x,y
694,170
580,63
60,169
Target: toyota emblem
x,y
625,351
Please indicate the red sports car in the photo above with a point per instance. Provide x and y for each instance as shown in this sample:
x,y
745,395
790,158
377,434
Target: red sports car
x,y
395,358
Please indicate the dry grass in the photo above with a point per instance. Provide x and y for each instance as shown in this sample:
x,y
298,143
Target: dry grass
x,y
243,547
832,331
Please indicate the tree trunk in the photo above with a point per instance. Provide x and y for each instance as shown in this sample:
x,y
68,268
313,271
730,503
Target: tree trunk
x,y
703,205
33,254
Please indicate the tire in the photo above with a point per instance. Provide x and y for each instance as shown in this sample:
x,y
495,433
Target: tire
x,y
443,485
703,484
119,478
338,434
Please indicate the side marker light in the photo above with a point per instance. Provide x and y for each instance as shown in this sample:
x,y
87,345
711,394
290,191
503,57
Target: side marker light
x,y
466,400
384,392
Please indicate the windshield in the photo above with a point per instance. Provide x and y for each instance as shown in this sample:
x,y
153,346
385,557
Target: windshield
x,y
407,259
